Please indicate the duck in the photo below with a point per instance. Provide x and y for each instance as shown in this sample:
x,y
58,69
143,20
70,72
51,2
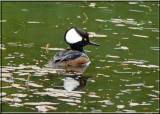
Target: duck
x,y
76,38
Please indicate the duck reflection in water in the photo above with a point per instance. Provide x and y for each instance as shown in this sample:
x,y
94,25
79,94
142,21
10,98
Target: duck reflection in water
x,y
73,77
71,83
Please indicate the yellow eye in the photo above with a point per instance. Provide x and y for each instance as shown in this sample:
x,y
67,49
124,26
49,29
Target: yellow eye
x,y
85,39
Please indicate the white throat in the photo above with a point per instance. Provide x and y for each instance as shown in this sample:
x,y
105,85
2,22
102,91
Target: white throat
x,y
72,36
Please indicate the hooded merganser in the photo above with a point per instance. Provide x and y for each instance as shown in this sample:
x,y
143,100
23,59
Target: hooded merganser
x,y
75,56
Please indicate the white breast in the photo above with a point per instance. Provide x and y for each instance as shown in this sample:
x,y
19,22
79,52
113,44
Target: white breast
x,y
72,36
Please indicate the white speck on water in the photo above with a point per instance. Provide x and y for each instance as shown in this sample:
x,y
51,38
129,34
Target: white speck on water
x,y
16,99
16,105
137,84
135,10
2,94
136,28
18,86
120,25
93,34
148,66
92,5
2,21
45,108
106,102
151,95
34,22
141,36
112,56
104,75
53,48
133,2
34,85
120,106
24,10
19,95
130,111
6,75
155,48
72,104
122,47
156,91
40,103
78,16
100,20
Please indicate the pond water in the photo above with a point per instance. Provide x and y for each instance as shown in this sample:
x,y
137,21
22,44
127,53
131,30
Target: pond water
x,y
123,75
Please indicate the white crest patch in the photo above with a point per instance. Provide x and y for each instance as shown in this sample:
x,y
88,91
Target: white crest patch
x,y
72,36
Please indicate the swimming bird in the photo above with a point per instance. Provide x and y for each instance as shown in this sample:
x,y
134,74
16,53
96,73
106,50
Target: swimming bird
x,y
76,38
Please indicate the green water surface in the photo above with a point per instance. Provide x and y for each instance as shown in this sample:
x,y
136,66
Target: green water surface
x,y
124,72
